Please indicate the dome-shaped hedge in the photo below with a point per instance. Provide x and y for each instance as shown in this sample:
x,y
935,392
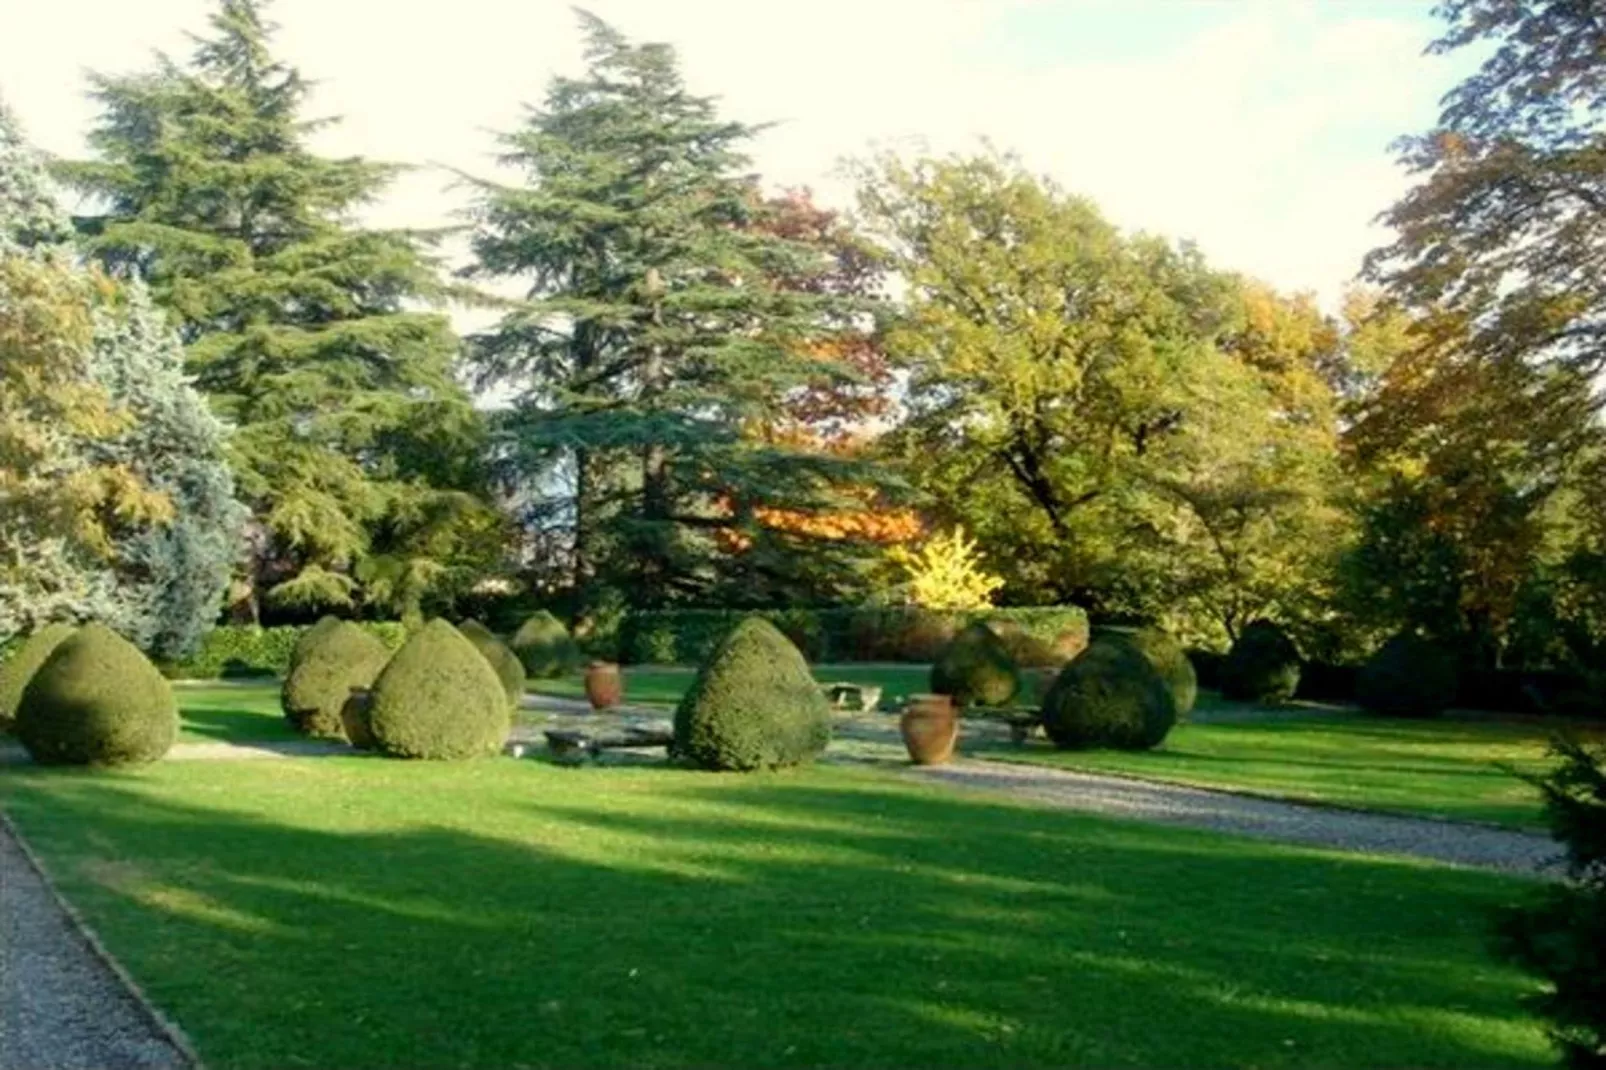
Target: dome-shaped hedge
x,y
330,662
1169,659
976,669
754,704
1409,676
1263,665
1110,696
18,669
438,698
545,646
310,638
506,664
97,701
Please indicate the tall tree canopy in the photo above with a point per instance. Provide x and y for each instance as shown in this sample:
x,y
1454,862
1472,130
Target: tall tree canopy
x,y
302,327
671,318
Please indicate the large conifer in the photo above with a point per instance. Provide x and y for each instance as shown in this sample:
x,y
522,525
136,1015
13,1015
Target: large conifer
x,y
302,327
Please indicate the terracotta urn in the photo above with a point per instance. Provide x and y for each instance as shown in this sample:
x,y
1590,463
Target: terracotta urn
x,y
930,727
604,686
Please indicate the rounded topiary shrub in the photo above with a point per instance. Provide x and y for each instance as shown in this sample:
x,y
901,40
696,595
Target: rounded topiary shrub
x,y
506,664
754,704
328,666
976,669
1409,676
18,669
310,638
545,647
1110,696
1036,650
97,701
1263,665
438,698
1169,659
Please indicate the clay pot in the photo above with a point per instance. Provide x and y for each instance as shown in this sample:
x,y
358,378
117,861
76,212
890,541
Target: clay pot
x,y
604,686
930,727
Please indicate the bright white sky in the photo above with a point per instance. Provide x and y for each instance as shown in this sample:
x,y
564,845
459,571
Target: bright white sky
x,y
1258,128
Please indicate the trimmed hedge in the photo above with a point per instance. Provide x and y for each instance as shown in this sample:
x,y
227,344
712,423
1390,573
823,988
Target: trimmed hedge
x,y
18,669
246,651
976,669
333,660
1035,636
1263,665
1110,696
506,664
97,701
438,698
1408,677
544,646
1167,656
754,705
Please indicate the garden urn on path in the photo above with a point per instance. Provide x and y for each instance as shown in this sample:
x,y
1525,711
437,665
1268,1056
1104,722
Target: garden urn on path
x,y
930,727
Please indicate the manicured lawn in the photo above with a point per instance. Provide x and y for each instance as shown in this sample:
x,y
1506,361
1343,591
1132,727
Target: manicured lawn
x,y
1445,768
358,912
211,712
663,686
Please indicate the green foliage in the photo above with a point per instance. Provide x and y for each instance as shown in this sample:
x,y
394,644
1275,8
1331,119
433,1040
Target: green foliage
x,y
1409,676
97,701
329,663
243,650
1263,665
1561,934
544,646
754,705
18,669
207,187
509,669
1167,656
1110,696
976,669
310,637
438,698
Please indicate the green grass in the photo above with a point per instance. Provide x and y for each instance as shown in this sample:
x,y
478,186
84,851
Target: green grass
x,y
360,912
214,712
663,686
1441,768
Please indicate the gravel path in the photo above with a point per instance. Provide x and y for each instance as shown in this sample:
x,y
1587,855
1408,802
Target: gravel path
x,y
1455,843
61,1006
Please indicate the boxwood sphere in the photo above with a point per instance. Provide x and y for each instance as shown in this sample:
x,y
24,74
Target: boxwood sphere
x,y
1110,696
506,664
331,662
545,646
20,667
438,698
97,701
1169,659
1263,665
754,705
976,669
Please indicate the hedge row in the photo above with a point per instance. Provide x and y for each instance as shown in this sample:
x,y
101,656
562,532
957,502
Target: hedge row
x,y
243,651
1036,636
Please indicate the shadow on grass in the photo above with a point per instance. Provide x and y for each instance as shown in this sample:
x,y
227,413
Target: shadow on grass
x,y
521,915
222,721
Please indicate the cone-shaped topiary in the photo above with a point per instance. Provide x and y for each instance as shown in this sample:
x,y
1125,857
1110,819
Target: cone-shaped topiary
x,y
1110,696
438,698
18,669
309,638
1168,659
754,704
97,701
976,669
506,664
545,647
1263,665
1409,676
329,665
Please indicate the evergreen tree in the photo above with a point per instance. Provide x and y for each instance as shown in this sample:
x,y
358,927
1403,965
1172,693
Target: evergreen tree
x,y
301,327
663,327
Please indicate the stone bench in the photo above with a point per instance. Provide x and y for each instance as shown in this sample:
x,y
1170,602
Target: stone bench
x,y
573,746
857,698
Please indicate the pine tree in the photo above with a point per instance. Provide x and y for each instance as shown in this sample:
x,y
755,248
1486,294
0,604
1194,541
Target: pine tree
x,y
663,326
300,326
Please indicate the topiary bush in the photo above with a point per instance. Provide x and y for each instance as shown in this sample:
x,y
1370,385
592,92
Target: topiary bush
x,y
1409,676
334,658
1110,696
438,698
19,668
1169,659
976,669
97,700
309,637
545,647
1033,650
1263,665
754,705
506,664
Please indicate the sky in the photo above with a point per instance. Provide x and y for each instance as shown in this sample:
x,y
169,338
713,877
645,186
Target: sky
x,y
1258,128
